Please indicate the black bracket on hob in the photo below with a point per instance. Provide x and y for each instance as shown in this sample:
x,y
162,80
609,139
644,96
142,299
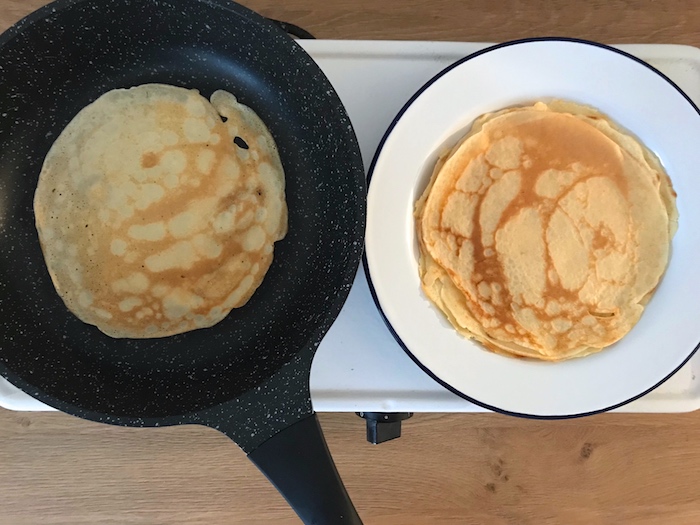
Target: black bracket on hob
x,y
383,426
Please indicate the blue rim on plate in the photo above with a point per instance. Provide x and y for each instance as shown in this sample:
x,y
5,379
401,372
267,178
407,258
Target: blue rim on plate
x,y
370,172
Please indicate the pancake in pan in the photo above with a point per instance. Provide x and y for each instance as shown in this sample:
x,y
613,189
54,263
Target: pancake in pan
x,y
157,210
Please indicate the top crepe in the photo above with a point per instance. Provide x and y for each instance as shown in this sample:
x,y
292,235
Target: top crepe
x,y
545,231
157,210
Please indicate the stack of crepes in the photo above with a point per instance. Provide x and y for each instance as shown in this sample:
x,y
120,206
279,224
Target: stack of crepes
x,y
545,231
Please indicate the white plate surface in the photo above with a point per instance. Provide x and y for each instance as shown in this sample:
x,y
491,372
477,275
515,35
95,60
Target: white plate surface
x,y
635,96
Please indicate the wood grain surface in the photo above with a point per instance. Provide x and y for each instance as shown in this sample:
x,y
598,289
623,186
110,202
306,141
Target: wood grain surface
x,y
446,469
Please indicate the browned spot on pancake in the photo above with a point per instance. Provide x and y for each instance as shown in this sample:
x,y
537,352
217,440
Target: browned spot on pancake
x,y
602,238
149,159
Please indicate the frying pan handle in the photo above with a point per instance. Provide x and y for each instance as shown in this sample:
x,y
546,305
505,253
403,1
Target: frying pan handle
x,y
297,461
292,29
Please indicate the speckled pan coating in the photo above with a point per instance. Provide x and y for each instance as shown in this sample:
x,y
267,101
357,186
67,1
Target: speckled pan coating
x,y
63,57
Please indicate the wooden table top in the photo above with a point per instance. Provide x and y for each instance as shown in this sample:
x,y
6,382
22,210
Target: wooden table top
x,y
446,469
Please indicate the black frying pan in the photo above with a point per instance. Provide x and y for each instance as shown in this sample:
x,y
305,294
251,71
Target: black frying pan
x,y
248,376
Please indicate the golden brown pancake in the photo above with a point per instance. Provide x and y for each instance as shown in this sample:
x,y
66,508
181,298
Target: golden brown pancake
x,y
545,231
152,220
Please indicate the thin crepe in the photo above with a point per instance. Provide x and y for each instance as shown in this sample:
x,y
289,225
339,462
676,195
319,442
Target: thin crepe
x,y
157,210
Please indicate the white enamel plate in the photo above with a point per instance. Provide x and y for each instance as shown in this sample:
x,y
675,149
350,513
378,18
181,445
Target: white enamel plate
x,y
633,94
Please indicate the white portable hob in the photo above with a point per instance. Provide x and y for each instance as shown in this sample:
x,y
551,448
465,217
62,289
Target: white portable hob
x,y
359,367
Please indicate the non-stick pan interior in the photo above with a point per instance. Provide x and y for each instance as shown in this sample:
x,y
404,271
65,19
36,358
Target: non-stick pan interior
x,y
65,57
